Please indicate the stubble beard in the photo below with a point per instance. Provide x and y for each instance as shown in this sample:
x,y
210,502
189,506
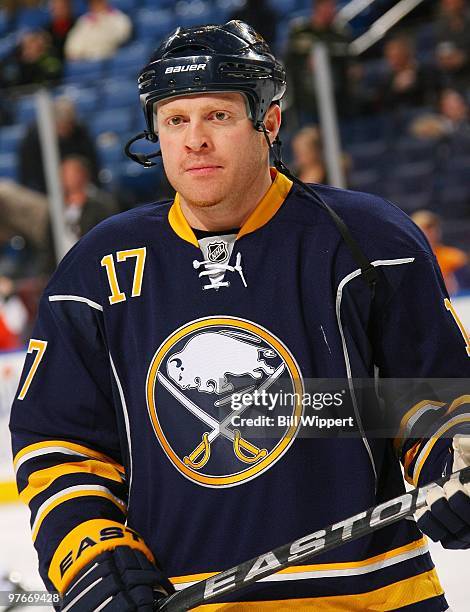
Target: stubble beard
x,y
224,196
199,202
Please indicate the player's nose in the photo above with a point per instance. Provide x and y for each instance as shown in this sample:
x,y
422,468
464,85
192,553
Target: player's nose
x,y
196,136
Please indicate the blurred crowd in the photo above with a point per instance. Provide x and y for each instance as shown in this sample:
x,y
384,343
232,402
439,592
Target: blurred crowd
x,y
39,57
405,100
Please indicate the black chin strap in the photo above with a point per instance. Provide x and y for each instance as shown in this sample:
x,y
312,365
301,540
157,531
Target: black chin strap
x,y
368,272
142,158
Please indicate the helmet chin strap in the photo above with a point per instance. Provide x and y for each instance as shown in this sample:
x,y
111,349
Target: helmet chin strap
x,y
143,158
368,272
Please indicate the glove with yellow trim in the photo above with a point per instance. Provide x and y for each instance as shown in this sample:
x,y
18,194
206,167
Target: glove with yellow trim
x,y
118,580
446,517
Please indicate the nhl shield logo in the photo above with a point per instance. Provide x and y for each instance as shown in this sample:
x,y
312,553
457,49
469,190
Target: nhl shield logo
x,y
217,252
193,380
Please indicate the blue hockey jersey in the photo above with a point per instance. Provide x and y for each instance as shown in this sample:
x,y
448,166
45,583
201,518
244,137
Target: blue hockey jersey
x,y
124,413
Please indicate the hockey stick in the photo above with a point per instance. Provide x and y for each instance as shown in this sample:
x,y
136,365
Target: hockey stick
x,y
308,546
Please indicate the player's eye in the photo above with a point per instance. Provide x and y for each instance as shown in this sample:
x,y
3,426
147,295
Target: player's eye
x,y
177,120
221,115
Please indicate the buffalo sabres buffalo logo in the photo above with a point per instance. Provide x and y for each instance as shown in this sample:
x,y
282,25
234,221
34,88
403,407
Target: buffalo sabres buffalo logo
x,y
217,252
193,381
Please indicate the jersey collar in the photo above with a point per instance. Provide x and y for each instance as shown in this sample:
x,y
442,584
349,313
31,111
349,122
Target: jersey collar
x,y
263,213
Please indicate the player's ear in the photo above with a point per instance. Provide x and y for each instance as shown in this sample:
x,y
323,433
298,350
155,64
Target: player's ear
x,y
272,121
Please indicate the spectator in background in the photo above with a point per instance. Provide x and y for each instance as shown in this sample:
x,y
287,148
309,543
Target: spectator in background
x,y
454,110
85,204
453,48
22,212
99,33
262,17
307,155
33,63
453,119
450,259
73,137
62,21
319,26
405,83
24,240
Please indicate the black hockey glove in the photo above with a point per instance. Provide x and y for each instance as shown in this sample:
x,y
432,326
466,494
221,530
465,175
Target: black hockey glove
x,y
446,517
119,580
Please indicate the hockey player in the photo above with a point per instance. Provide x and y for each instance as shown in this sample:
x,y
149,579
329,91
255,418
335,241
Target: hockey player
x,y
124,447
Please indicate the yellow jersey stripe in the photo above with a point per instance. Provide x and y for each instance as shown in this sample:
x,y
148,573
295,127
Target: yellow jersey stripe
x,y
50,446
40,480
397,595
72,493
459,401
408,460
412,415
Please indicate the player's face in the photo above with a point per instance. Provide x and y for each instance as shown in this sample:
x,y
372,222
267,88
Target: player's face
x,y
211,152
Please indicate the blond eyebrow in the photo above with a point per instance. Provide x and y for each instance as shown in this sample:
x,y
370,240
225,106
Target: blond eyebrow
x,y
181,110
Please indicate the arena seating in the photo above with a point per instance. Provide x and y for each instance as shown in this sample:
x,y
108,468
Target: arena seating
x,y
105,94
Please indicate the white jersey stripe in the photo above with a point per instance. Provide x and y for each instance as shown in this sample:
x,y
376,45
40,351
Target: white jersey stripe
x,y
84,487
46,451
75,298
415,418
126,421
339,297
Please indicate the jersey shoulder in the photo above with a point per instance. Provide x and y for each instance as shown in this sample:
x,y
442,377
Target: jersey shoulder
x,y
119,231
378,225
131,220
131,229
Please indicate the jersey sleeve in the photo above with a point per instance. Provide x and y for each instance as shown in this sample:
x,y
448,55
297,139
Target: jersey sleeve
x,y
423,355
65,437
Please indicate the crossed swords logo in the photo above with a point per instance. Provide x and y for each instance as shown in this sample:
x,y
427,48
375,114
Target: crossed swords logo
x,y
243,449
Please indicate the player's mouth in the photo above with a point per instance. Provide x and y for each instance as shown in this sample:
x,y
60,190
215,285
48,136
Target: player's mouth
x,y
205,170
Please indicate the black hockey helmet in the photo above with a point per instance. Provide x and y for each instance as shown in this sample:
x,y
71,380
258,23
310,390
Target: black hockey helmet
x,y
217,58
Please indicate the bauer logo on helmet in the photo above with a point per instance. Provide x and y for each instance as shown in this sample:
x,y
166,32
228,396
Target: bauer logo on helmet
x,y
186,68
